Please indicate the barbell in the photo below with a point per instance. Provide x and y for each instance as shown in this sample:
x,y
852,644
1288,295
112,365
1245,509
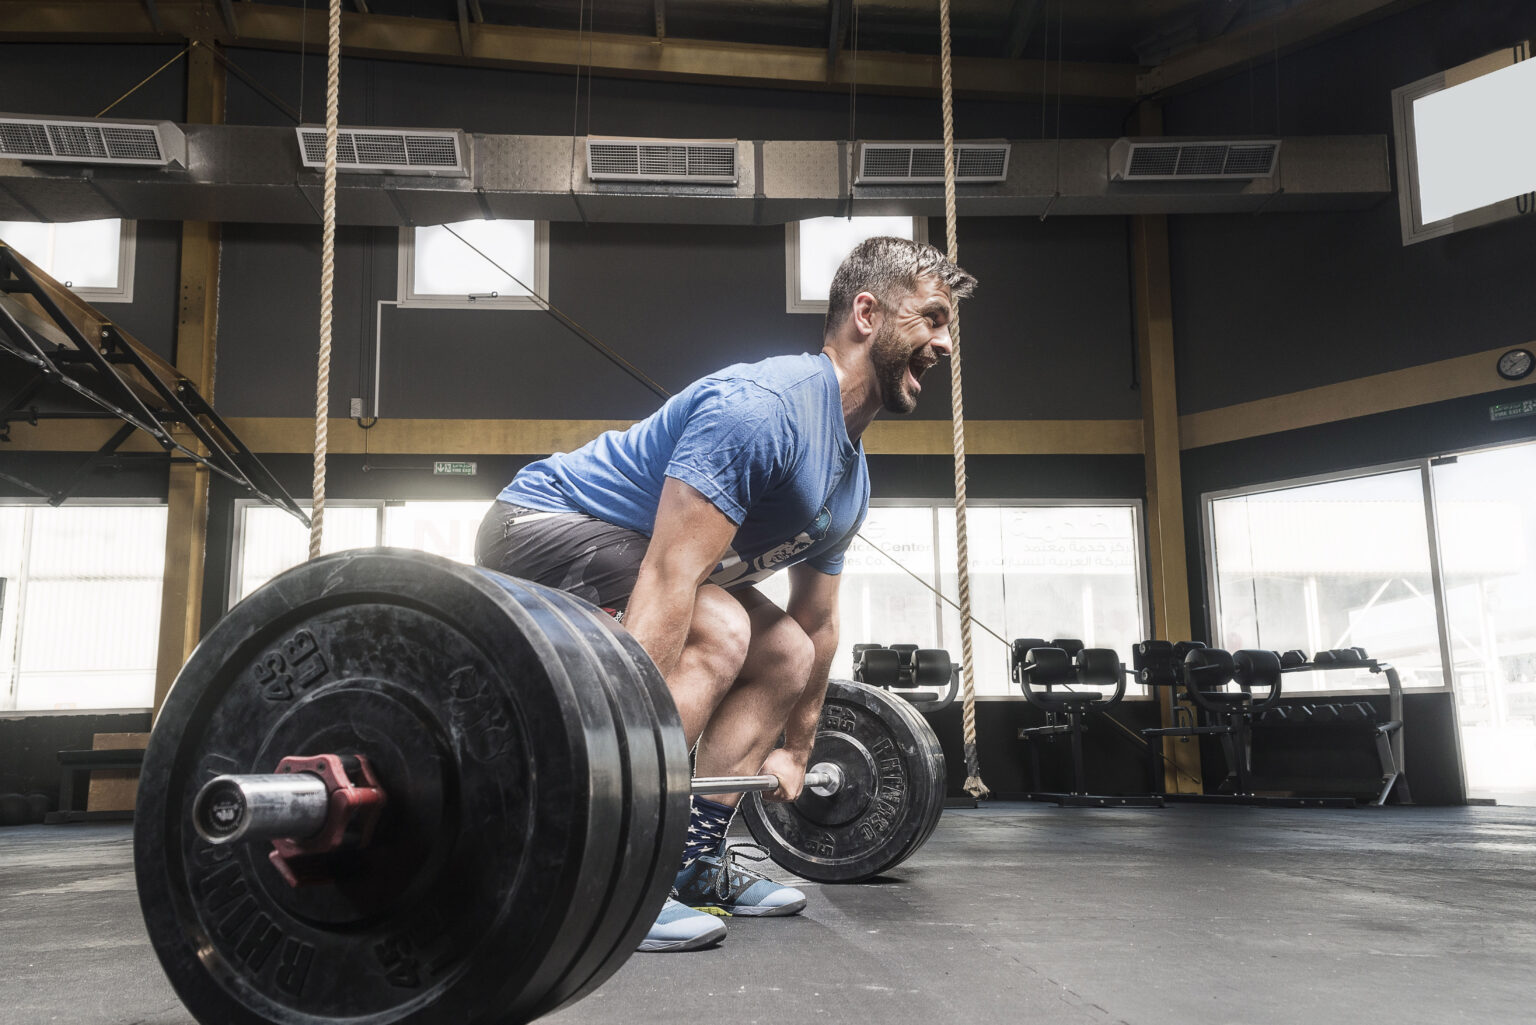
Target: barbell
x,y
394,787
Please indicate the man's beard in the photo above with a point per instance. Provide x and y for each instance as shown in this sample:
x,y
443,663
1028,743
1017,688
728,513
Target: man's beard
x,y
891,357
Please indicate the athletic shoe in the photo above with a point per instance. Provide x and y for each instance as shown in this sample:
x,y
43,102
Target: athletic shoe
x,y
720,883
679,927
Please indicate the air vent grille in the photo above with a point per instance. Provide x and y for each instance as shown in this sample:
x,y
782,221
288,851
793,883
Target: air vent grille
x,y
701,161
1189,161
440,153
91,142
922,163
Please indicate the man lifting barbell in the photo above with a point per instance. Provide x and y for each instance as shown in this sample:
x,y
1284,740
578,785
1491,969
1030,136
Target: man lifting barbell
x,y
748,471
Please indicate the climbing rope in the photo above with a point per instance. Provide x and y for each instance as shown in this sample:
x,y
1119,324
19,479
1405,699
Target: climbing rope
x,y
327,280
973,784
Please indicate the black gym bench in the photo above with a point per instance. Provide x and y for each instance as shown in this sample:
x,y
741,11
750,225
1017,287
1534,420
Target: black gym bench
x,y
1039,668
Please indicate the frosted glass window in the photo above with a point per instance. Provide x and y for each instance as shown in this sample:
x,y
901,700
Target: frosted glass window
x,y
1339,564
80,605
1036,571
475,264
272,540
442,528
817,247
1474,144
1486,506
94,259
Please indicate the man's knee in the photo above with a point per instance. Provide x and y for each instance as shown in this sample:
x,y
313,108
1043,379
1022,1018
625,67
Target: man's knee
x,y
785,655
721,633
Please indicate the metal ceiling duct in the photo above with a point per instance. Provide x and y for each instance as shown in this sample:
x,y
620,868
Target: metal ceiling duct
x,y
253,174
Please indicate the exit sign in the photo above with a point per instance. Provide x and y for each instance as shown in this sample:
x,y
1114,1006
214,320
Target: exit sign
x,y
451,469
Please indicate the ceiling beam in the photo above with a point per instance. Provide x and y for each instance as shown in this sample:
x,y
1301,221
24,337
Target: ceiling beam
x,y
661,19
1021,25
438,41
227,12
837,30
1304,23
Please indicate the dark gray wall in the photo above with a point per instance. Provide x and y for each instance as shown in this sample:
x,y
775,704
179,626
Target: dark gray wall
x,y
1269,304
1048,335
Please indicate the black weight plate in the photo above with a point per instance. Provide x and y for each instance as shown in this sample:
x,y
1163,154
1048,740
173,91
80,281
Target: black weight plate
x,y
921,728
571,626
659,793
893,786
491,860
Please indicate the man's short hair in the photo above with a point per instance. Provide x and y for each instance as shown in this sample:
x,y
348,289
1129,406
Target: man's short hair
x,y
889,269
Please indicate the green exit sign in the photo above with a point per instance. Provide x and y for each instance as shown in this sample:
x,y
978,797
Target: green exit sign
x,y
451,469
1512,410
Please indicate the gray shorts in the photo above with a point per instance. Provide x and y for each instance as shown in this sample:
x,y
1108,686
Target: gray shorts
x,y
588,557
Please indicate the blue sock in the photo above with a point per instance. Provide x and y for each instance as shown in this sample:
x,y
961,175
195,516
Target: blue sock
x,y
706,828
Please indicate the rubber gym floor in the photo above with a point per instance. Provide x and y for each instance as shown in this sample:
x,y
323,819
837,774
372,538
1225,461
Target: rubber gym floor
x,y
1010,913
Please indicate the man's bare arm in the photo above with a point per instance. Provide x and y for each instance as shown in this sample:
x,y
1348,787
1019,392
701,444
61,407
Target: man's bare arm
x,y
812,604
690,537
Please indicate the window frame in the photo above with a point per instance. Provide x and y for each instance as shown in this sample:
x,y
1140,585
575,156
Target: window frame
x,y
1406,151
792,301
408,298
127,250
8,690
1208,500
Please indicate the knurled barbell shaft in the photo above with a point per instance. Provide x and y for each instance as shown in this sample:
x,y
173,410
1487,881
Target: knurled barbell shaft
x,y
294,804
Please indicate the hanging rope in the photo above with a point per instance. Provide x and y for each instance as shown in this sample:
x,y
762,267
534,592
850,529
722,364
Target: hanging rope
x,y
327,280
973,784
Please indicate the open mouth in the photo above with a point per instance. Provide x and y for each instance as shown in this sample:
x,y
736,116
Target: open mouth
x,y
917,366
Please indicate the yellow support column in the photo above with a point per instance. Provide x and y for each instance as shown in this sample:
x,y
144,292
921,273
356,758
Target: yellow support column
x,y
1160,437
186,528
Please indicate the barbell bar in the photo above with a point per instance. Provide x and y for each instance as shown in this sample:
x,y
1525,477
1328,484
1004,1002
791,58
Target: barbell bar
x,y
297,805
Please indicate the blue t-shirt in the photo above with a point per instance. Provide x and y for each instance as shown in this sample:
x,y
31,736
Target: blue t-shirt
x,y
765,442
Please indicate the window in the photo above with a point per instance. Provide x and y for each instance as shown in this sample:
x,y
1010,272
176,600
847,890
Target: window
x,y
80,605
1464,148
93,259
270,540
475,265
815,248
1041,570
1331,564
1486,506
1346,562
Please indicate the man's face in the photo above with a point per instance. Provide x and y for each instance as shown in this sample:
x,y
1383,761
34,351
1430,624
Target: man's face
x,y
910,339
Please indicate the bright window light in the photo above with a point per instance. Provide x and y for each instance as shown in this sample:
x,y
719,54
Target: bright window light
x,y
1474,142
91,258
826,241
475,264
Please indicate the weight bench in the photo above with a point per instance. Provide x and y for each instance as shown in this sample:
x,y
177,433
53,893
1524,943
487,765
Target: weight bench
x,y
1040,669
901,668
88,761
